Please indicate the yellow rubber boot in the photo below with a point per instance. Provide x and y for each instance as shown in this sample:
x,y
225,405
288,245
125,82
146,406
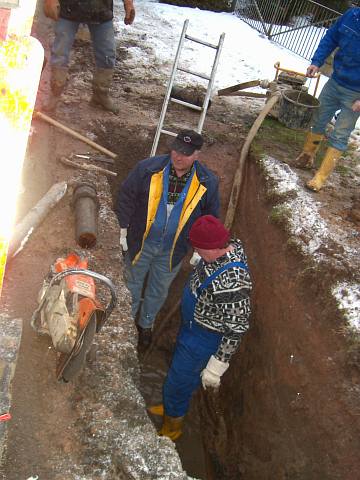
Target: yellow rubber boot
x,y
309,151
157,410
172,427
331,157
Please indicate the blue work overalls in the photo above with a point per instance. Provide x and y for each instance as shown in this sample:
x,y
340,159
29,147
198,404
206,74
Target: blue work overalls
x,y
194,347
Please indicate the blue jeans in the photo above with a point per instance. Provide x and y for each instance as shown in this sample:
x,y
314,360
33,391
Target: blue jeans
x,y
102,37
153,261
333,97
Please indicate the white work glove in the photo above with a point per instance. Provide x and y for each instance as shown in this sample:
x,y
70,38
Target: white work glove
x,y
123,241
211,375
195,259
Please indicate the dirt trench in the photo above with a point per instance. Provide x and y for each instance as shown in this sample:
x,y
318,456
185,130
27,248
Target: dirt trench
x,y
288,404
288,407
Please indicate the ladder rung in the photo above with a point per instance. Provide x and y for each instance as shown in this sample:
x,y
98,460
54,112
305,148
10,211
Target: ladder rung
x,y
172,134
201,75
193,39
186,104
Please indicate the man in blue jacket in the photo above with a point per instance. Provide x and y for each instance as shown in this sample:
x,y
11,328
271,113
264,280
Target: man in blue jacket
x,y
157,204
341,92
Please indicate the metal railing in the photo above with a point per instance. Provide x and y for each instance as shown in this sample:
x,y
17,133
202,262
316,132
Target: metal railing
x,y
297,25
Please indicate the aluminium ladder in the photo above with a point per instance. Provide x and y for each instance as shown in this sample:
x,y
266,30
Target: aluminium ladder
x,y
175,68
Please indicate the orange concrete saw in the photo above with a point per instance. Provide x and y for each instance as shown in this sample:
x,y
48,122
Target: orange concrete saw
x,y
70,313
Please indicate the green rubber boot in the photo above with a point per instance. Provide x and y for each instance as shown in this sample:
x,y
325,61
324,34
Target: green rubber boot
x,y
101,90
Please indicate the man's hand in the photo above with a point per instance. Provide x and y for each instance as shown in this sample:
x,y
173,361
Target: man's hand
x,y
129,12
312,71
195,259
123,240
211,375
356,106
52,9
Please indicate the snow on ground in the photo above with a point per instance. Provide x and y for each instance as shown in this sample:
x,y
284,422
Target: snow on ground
x,y
246,55
348,297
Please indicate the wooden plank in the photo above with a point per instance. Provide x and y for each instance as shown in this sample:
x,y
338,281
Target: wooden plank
x,y
238,86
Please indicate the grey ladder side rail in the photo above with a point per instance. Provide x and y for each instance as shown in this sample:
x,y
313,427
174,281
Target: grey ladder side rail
x,y
175,68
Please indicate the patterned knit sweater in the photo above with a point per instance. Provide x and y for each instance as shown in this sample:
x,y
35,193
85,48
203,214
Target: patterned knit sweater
x,y
224,306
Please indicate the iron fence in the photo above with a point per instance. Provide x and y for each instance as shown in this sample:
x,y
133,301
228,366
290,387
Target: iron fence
x,y
297,25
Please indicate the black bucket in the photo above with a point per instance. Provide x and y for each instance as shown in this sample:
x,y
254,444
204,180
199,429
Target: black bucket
x,y
296,109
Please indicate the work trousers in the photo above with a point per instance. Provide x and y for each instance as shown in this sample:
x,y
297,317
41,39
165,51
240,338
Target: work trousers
x,y
102,37
154,261
332,98
194,347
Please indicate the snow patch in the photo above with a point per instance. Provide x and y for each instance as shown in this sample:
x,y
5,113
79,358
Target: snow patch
x,y
304,219
348,298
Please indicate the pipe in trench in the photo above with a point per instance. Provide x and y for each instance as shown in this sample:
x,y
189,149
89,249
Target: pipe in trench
x,y
86,206
34,217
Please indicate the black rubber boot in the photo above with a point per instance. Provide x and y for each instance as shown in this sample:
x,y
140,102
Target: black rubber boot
x,y
145,337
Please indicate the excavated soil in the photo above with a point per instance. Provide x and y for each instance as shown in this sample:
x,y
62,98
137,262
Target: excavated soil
x,y
288,408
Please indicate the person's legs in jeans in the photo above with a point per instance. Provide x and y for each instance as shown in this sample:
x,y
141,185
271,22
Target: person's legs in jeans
x,y
346,120
65,31
329,104
103,41
157,287
338,138
135,274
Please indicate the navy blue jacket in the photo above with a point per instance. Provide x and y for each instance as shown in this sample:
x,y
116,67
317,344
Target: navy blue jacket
x,y
136,208
344,34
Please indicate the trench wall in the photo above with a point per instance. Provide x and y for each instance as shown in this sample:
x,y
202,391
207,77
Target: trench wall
x,y
286,408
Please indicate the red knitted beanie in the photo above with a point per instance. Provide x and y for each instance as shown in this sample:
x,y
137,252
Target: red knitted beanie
x,y
208,233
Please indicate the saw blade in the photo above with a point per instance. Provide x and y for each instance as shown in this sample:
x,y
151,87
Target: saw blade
x,y
70,364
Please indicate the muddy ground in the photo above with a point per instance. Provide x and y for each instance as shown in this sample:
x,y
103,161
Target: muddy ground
x,y
288,408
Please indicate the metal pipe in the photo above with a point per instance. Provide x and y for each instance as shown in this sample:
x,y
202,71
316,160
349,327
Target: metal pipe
x,y
86,206
34,217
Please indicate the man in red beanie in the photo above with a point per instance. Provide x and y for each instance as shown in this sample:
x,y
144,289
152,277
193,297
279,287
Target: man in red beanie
x,y
215,311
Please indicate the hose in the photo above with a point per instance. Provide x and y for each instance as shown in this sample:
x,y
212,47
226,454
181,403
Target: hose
x,y
235,191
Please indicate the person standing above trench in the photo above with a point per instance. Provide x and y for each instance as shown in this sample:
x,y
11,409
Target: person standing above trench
x,y
215,309
98,15
156,206
341,92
